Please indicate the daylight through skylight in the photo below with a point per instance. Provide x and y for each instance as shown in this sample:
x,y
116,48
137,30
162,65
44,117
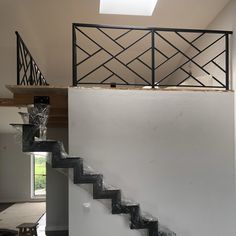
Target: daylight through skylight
x,y
128,7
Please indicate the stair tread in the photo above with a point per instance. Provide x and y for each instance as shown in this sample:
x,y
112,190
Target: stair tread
x,y
134,204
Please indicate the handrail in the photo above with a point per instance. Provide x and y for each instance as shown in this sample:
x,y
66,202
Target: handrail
x,y
196,75
153,28
28,72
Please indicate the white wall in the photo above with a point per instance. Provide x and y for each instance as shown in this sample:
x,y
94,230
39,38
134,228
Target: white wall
x,y
14,170
14,165
15,174
171,151
15,17
57,189
226,20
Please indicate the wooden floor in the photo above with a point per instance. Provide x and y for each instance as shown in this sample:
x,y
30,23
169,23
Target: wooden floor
x,y
42,221
19,213
4,206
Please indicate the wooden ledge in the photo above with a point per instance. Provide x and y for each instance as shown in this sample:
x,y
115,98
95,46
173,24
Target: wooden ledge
x,y
58,96
20,89
24,95
7,102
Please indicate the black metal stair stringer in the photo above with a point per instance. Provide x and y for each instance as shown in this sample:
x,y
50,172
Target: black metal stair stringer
x,y
60,159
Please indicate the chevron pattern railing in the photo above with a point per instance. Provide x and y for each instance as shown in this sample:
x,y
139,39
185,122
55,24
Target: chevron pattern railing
x,y
60,159
28,72
137,56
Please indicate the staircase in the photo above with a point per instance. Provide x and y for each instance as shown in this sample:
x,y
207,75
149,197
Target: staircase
x,y
31,142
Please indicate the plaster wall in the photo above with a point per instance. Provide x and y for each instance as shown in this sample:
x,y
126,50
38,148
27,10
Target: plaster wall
x,y
15,175
225,20
171,151
57,189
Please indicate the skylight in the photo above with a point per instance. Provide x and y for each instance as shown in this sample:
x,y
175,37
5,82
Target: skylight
x,y
128,7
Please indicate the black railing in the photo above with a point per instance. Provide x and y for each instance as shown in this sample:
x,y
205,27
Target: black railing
x,y
150,56
28,72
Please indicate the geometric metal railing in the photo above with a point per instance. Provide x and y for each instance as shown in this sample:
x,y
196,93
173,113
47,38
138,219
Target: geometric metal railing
x,y
28,72
153,57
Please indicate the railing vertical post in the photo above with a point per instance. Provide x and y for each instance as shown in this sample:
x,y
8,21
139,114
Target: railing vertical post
x,y
40,79
18,58
31,72
74,55
227,61
153,57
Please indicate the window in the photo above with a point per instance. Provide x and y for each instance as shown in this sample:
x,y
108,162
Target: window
x,y
38,175
128,7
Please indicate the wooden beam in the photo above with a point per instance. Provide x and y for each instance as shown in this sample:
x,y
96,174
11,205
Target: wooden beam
x,y
7,102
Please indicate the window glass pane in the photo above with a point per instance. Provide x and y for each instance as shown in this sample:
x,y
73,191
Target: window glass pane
x,y
39,175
